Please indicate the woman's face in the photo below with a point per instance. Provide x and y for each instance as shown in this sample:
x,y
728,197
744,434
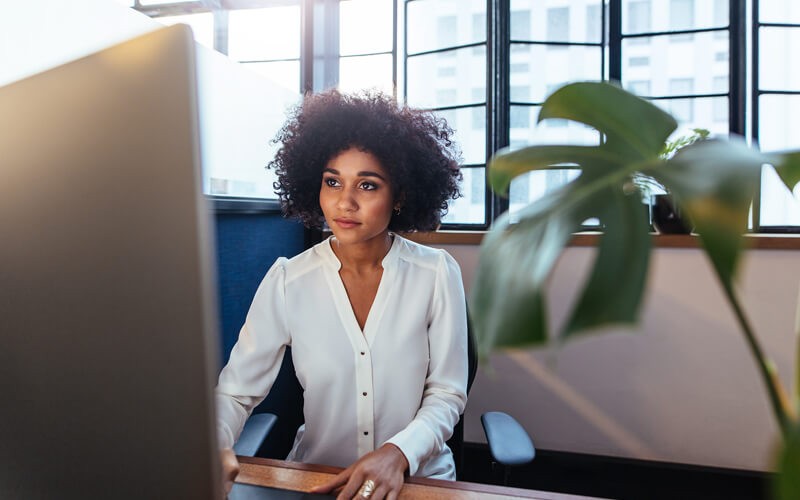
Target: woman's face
x,y
356,196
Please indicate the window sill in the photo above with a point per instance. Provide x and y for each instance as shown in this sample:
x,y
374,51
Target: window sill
x,y
588,239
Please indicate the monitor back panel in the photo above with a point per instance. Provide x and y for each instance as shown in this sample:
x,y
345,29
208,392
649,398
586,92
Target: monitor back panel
x,y
107,312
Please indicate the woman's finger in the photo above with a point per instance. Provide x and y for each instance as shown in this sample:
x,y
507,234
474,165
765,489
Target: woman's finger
x,y
338,480
352,487
380,492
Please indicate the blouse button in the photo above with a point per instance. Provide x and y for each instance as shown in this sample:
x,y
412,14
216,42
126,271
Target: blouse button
x,y
363,393
363,353
366,433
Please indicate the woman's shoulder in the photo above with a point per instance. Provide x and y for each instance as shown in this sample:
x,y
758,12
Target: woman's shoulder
x,y
424,255
307,261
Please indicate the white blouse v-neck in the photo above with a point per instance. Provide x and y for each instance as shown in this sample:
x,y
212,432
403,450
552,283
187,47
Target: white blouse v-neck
x,y
402,380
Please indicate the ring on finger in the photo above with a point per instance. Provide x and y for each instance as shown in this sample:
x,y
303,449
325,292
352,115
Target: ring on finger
x,y
366,489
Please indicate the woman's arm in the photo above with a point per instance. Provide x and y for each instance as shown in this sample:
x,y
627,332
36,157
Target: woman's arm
x,y
445,393
255,359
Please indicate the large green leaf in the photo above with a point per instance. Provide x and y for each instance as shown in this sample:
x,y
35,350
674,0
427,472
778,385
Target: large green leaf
x,y
634,128
508,300
714,182
620,266
516,258
508,164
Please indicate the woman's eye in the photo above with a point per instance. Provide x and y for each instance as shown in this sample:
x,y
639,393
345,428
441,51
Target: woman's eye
x,y
330,182
368,186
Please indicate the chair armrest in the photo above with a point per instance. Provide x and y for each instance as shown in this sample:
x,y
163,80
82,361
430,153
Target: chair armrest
x,y
253,433
508,441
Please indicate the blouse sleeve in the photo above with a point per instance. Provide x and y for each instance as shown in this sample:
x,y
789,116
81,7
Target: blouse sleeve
x,y
445,393
255,359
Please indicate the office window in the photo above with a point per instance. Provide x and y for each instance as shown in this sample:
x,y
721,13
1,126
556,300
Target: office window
x,y
520,24
520,117
264,36
682,109
457,93
253,40
636,17
519,93
777,105
446,97
566,44
445,68
558,24
639,87
721,12
479,26
519,68
446,30
720,104
594,23
366,37
681,14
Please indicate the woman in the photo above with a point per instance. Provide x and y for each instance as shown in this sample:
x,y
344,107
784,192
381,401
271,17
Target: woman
x,y
376,323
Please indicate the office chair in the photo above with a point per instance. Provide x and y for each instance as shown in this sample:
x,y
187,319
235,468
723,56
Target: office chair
x,y
509,443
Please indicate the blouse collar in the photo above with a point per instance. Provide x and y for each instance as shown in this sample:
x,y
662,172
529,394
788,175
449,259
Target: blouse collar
x,y
326,252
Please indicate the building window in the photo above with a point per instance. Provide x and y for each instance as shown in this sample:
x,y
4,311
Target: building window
x,y
681,14
639,87
441,74
520,25
594,23
638,17
558,24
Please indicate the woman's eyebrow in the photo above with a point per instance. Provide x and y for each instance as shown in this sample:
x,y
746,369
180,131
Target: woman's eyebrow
x,y
363,173
369,173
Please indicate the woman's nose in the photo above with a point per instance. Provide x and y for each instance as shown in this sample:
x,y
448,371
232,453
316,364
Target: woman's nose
x,y
347,201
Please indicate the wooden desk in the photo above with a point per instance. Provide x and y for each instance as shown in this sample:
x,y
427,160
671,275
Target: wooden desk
x,y
302,477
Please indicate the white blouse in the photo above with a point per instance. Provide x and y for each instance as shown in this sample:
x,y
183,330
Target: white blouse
x,y
402,381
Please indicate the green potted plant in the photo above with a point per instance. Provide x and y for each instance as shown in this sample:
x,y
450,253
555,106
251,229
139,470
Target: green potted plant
x,y
713,181
665,216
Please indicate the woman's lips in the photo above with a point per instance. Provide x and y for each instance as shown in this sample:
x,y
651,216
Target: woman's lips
x,y
346,223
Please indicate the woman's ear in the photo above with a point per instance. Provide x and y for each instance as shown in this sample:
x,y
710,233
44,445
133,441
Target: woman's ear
x,y
398,205
399,201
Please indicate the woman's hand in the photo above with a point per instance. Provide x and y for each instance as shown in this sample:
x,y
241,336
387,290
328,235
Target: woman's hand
x,y
230,468
385,467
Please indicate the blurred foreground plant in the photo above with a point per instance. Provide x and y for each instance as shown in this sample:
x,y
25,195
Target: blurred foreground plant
x,y
713,181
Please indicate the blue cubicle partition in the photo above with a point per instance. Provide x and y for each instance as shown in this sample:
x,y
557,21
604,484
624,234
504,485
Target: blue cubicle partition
x,y
247,245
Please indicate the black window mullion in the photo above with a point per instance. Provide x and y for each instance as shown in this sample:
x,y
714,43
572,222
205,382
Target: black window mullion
x,y
603,39
394,49
498,40
307,46
738,65
754,105
615,40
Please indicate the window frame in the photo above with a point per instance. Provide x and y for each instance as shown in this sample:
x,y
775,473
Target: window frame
x,y
319,65
321,17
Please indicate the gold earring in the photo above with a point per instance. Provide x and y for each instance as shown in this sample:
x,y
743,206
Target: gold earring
x,y
397,210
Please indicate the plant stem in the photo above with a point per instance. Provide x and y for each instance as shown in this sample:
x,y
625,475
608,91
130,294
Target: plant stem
x,y
775,390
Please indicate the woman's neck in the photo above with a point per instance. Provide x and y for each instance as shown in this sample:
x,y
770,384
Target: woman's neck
x,y
364,255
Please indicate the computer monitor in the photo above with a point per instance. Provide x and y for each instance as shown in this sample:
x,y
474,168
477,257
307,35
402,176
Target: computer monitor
x,y
108,350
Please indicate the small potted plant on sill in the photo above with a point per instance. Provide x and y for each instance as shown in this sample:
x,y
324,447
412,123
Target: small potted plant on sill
x,y
665,214
713,180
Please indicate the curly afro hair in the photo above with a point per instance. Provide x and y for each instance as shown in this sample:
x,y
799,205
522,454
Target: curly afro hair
x,y
414,146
